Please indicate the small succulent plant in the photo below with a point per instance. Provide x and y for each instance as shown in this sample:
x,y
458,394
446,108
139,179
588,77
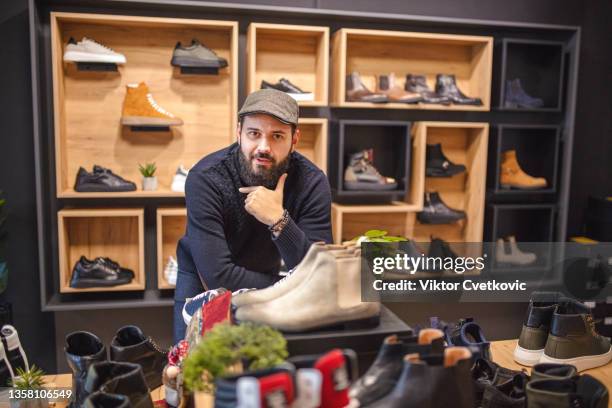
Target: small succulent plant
x,y
29,379
147,170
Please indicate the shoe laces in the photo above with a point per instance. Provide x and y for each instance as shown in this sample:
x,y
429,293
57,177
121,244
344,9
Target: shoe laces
x,y
98,44
157,107
157,347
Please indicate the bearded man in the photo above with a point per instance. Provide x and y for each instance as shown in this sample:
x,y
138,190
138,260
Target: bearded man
x,y
250,205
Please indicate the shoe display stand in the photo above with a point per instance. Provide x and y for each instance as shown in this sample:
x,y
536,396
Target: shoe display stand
x,y
275,51
171,224
313,143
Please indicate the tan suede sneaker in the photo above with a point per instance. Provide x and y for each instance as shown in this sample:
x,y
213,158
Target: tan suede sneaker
x,y
140,109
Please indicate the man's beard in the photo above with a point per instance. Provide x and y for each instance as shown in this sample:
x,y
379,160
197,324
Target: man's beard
x,y
267,177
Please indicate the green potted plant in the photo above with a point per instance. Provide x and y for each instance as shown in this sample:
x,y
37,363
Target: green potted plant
x,y
149,180
25,381
3,266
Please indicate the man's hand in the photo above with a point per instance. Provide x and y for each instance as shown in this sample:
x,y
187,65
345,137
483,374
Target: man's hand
x,y
264,204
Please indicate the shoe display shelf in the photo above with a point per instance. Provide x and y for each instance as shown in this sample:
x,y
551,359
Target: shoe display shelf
x,y
87,105
376,52
463,143
531,224
298,53
114,233
540,67
537,149
171,224
313,141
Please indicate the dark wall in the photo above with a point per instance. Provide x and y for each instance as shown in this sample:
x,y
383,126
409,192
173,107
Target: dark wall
x,y
591,171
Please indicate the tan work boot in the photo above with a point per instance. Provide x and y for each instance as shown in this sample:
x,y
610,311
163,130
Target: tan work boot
x,y
386,85
512,176
140,109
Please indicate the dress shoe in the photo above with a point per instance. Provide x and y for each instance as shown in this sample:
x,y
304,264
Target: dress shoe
x,y
516,97
467,333
509,394
101,272
140,109
579,392
512,176
125,379
386,85
356,91
514,256
437,165
284,85
435,211
328,296
418,84
104,400
362,175
446,85
574,340
101,180
433,381
383,374
131,345
83,349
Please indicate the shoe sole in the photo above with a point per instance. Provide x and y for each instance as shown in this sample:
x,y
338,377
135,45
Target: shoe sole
x,y
75,56
527,357
366,323
187,62
581,363
96,188
442,174
147,121
516,186
94,283
439,221
358,185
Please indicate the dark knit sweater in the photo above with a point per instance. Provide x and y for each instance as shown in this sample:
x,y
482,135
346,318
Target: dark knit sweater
x,y
226,245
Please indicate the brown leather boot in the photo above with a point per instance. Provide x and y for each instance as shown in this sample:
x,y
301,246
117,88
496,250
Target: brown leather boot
x,y
140,109
386,85
512,176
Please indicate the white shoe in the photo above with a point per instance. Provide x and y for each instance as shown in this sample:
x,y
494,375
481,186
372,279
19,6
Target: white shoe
x,y
180,177
88,50
171,270
515,256
301,97
12,343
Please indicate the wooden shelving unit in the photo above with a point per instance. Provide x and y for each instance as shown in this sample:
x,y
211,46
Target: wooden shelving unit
x,y
313,141
170,228
296,52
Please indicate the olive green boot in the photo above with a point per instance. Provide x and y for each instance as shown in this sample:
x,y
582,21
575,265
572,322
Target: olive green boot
x,y
578,392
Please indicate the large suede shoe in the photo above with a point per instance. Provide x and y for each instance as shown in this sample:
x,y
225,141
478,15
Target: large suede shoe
x,y
578,392
331,296
82,350
574,340
513,176
119,378
131,345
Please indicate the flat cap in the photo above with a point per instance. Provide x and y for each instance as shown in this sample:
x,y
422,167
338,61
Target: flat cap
x,y
274,103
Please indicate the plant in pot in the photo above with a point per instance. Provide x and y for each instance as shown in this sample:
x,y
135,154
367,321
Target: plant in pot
x,y
25,381
3,266
149,180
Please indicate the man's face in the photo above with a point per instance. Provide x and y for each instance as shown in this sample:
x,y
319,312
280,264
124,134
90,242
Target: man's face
x,y
265,145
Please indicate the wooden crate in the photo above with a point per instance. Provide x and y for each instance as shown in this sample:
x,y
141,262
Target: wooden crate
x,y
298,53
171,224
463,143
375,52
87,105
114,233
313,141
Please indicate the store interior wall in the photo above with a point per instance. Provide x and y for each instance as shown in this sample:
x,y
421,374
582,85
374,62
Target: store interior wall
x,y
42,333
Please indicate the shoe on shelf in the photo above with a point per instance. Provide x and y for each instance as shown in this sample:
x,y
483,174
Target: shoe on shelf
x,y
516,97
140,109
446,85
515,256
418,84
512,176
82,349
101,180
582,391
179,179
387,85
284,85
574,340
113,377
435,211
438,248
437,165
196,55
171,270
100,272
356,91
362,175
88,50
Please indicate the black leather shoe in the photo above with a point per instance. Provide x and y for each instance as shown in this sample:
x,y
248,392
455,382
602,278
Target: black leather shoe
x,y
131,345
104,400
438,248
119,378
438,165
101,180
447,86
516,97
101,272
418,84
508,394
82,350
436,212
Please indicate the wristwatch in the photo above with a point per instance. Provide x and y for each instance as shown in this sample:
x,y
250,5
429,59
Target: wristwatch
x,y
278,226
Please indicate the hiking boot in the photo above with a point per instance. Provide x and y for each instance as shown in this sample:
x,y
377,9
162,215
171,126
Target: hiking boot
x,y
356,91
446,85
437,165
579,392
516,97
386,85
140,109
435,211
418,84
196,55
512,176
362,175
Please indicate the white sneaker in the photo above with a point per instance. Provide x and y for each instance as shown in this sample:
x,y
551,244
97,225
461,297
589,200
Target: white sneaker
x,y
178,182
11,337
171,270
88,50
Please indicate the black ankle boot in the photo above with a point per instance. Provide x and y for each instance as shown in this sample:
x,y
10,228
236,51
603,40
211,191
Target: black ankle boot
x,y
447,86
131,345
435,211
124,379
82,350
103,400
438,165
438,248
418,84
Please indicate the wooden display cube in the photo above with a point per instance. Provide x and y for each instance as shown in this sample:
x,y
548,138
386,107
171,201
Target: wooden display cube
x,y
114,233
313,141
376,52
88,104
298,53
171,224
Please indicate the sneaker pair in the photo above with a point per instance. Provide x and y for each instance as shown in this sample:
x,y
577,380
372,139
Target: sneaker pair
x,y
12,355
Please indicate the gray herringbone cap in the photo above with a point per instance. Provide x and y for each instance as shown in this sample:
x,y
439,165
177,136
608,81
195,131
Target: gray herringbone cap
x,y
274,103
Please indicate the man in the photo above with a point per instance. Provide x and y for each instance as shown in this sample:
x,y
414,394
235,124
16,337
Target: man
x,y
251,204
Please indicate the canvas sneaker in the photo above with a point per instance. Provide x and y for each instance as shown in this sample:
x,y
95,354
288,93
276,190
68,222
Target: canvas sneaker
x,y
88,50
